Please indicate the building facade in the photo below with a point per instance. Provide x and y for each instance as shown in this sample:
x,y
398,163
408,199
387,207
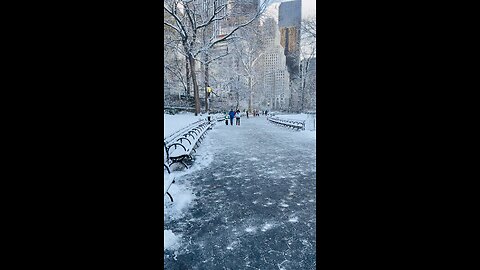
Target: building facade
x,y
289,22
276,77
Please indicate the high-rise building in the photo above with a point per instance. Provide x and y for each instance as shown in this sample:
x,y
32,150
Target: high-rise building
x,y
276,77
289,22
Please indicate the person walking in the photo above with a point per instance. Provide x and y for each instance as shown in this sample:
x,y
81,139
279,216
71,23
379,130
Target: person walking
x,y
226,118
247,113
232,115
237,117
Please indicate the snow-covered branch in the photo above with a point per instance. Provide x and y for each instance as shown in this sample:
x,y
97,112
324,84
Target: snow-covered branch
x,y
260,11
183,31
214,16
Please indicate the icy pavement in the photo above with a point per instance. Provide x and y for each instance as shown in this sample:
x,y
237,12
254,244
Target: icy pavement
x,y
254,204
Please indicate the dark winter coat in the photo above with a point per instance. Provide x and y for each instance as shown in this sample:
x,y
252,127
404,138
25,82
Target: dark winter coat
x,y
232,114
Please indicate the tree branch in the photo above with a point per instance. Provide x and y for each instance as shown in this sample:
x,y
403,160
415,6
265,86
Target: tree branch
x,y
261,10
177,20
213,17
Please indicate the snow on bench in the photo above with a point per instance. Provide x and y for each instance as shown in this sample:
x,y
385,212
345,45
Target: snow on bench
x,y
294,124
179,145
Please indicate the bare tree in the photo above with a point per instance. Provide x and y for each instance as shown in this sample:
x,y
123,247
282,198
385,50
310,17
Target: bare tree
x,y
308,53
309,27
190,18
248,51
175,69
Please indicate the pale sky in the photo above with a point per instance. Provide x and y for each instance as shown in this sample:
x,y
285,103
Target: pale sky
x,y
308,7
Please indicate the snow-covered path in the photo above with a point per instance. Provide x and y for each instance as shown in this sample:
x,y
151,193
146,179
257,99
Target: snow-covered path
x,y
255,203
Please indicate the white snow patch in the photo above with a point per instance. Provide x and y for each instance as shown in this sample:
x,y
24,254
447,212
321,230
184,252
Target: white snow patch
x,y
250,229
182,197
173,123
310,123
284,205
267,226
293,219
170,240
253,159
232,245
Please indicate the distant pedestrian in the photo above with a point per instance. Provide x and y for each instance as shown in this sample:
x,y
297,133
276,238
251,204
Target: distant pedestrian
x,y
232,115
226,118
237,116
247,113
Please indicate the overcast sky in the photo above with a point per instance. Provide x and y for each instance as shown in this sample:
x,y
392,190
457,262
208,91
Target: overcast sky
x,y
308,7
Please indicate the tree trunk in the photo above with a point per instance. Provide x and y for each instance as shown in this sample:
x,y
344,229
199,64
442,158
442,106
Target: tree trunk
x,y
238,91
303,97
303,89
251,93
187,71
206,81
238,100
195,84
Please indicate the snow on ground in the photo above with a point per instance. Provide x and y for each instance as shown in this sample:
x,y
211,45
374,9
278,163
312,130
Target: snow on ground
x,y
172,123
181,190
300,117
310,122
248,201
171,241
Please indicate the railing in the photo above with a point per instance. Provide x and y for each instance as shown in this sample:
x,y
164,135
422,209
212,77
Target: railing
x,y
294,124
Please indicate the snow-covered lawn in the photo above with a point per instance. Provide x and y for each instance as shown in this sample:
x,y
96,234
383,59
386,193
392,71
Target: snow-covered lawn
x,y
172,123
310,122
300,117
